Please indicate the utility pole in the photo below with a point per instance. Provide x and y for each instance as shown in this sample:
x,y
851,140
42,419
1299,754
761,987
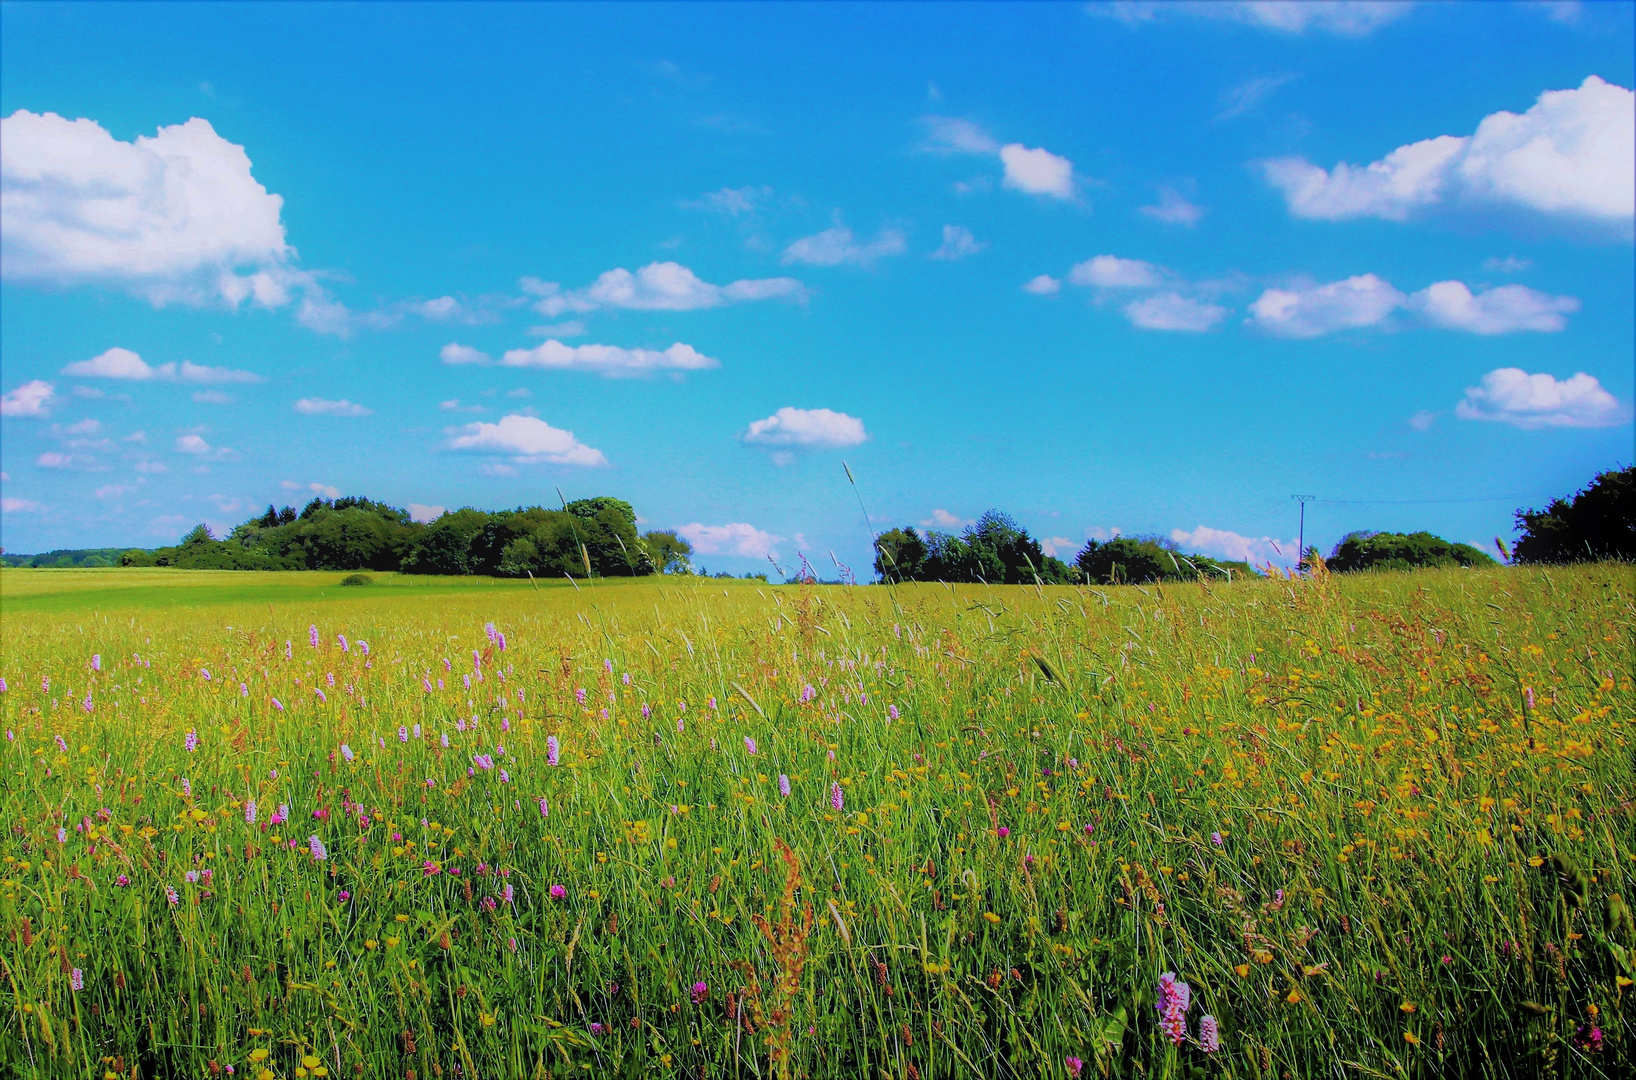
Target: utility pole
x,y
1301,543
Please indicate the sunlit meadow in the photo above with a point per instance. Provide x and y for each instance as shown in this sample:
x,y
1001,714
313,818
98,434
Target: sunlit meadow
x,y
1378,826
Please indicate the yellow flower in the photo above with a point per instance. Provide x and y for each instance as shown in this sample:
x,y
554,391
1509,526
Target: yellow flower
x,y
370,944
991,917
1407,1006
487,1018
391,942
1411,1038
1243,971
309,1061
258,1054
1294,997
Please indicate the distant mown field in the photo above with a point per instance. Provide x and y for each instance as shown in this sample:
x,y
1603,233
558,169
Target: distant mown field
x,y
1379,825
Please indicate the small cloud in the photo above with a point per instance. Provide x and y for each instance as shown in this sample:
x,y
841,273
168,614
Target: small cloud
x,y
112,491
942,519
30,399
1247,96
1224,544
659,286
527,438
736,538
952,135
520,392
609,360
289,485
807,427
1511,264
1173,311
1361,301
137,437
1103,534
733,202
324,491
90,393
957,243
1058,547
423,513
838,246
1037,171
1512,396
1044,285
571,328
1112,272
212,397
453,405
10,505
1423,420
1502,310
455,353
1343,18
326,407
117,363
1173,209
84,427
151,467
192,444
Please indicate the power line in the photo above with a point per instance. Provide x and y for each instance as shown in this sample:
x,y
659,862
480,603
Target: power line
x,y
1431,502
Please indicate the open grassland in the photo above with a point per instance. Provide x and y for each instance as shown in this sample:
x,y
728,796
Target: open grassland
x,y
1379,826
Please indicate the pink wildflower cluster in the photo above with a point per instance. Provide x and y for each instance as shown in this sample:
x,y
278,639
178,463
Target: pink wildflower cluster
x,y
1174,998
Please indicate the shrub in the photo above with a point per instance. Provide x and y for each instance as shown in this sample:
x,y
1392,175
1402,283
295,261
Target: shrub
x,y
1400,551
357,579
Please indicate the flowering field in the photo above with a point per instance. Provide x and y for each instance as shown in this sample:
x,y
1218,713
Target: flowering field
x,y
1378,826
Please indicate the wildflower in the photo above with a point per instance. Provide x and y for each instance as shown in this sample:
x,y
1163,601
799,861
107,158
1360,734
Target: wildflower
x,y
187,787
445,740
191,877
62,835
700,992
1215,838
783,785
403,734
244,690
364,645
476,660
192,740
596,1028
87,703
417,731
316,846
171,896
281,815
1587,1037
320,694
312,636
552,750
749,744
346,751
62,747
505,778
579,694
1209,1034
250,812
508,894
467,680
122,881
1074,1066
558,892
76,980
892,711
204,673
1002,832
342,639
1528,696
545,807
289,649
1174,998
277,704
808,693
96,661
625,678
836,799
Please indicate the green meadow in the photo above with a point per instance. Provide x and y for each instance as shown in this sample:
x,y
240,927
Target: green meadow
x,y
1375,826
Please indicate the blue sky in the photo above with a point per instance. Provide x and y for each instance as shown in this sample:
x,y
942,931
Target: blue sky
x,y
1144,268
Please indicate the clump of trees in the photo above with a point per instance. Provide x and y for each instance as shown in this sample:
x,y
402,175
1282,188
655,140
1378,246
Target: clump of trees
x,y
1127,560
1598,522
1400,551
587,537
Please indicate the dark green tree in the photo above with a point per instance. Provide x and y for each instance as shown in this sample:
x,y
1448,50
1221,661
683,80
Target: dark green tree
x,y
668,552
1598,522
900,555
1400,551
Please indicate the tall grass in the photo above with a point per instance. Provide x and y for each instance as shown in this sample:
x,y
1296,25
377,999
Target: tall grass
x,y
1380,827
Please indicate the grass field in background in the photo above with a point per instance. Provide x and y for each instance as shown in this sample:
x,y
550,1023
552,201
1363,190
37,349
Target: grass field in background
x,y
1378,826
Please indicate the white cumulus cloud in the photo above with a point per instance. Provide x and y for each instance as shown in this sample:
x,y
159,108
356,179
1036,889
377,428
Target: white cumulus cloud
x,y
33,398
1343,18
659,286
192,444
118,363
455,353
736,538
1043,285
1500,310
1573,154
838,246
423,513
1112,272
526,438
1225,544
957,243
942,519
325,407
1364,300
609,360
1037,171
1173,311
1173,209
1512,396
807,427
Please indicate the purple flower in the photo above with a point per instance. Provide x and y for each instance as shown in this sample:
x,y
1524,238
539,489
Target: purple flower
x,y
445,740
244,690
250,812
87,703
170,895
749,744
558,892
187,787
320,694
312,636
579,694
364,645
1588,1037
553,750
545,807
1002,832
625,678
1215,838
96,662
892,711
783,785
700,992
76,980
62,835
316,846
279,705
191,877
281,815
596,1028
836,799
508,894
403,733
122,881
346,751
1174,998
205,674
1074,1065
342,638
1209,1034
